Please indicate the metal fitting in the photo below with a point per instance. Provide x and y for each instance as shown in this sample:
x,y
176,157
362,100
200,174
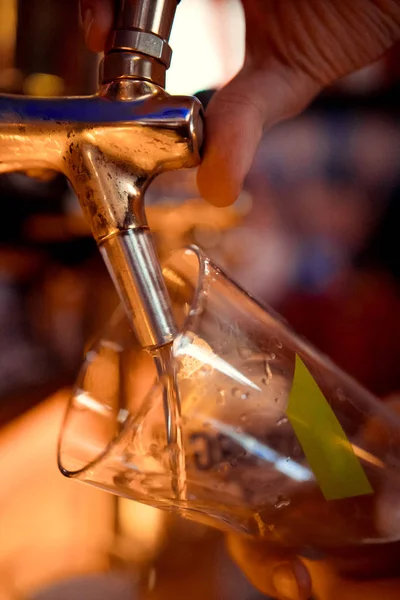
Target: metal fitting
x,y
143,42
138,48
126,65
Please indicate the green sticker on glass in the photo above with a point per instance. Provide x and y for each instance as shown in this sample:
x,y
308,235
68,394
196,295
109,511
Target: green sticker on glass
x,y
329,453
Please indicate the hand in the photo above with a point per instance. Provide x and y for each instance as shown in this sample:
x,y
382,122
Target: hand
x,y
286,577
294,49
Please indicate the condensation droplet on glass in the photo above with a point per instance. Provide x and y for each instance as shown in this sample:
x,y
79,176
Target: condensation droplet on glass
x,y
205,370
244,352
151,582
221,396
174,448
272,356
238,430
126,458
279,344
236,393
243,417
123,414
268,373
153,448
282,421
296,451
341,395
282,502
182,341
196,312
91,356
122,479
244,396
271,527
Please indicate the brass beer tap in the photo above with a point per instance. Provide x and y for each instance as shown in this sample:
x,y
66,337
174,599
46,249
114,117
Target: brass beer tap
x,y
110,146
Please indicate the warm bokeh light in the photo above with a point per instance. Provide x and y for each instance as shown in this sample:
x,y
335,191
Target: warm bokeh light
x,y
202,60
8,21
50,527
143,529
43,84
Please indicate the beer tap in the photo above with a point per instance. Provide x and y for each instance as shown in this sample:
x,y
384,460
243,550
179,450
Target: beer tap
x,y
111,146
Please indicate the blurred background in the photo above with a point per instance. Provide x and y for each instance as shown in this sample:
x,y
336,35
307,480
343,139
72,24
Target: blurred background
x,y
314,234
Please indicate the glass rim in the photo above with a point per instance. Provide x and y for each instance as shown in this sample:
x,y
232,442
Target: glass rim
x,y
202,263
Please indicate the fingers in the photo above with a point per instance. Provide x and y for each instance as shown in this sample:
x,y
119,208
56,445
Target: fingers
x,y
97,19
278,574
274,572
328,585
255,99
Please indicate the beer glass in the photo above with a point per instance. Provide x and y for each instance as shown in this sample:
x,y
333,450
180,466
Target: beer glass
x,y
275,441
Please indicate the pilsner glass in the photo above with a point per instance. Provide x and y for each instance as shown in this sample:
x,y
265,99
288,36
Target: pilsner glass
x,y
276,441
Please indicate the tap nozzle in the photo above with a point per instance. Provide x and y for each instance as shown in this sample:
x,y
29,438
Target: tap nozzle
x,y
134,67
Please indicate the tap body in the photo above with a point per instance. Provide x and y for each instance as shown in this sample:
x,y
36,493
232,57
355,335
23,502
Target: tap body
x,y
110,146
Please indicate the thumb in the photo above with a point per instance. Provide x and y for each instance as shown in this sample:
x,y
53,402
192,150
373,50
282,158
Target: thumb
x,y
273,571
236,116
